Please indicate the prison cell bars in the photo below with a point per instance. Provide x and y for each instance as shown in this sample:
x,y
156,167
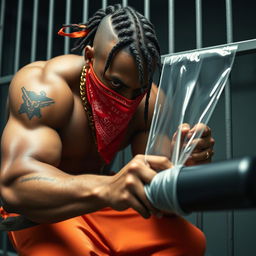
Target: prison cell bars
x,y
199,44
34,32
4,235
50,26
18,36
3,244
1,30
85,10
171,26
229,131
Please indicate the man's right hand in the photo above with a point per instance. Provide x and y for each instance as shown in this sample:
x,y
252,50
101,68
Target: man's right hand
x,y
126,188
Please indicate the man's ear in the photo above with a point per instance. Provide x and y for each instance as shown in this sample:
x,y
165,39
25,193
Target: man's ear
x,y
88,54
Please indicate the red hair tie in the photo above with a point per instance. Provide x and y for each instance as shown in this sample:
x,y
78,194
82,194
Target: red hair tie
x,y
76,34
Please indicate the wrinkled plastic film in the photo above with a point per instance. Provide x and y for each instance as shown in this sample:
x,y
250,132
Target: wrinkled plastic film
x,y
189,89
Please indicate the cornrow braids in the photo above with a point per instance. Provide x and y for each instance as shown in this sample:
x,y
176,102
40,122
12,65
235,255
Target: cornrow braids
x,y
92,26
134,32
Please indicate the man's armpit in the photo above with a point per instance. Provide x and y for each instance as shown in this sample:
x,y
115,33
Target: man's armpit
x,y
33,102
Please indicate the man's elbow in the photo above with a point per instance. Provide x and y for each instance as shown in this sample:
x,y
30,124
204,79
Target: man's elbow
x,y
8,200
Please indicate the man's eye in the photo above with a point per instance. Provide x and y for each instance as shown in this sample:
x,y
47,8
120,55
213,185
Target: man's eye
x,y
116,84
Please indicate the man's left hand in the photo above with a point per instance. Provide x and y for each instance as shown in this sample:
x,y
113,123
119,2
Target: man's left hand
x,y
203,150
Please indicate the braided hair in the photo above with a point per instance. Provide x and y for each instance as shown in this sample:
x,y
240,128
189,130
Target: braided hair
x,y
135,32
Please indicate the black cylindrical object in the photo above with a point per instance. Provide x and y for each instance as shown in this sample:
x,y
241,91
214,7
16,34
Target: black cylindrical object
x,y
218,186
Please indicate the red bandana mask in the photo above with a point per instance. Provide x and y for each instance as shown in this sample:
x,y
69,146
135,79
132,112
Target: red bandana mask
x,y
111,113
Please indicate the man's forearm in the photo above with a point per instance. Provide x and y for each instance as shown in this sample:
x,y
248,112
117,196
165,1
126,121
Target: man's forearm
x,y
48,197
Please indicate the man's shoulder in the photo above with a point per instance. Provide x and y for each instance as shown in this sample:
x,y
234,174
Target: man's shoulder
x,y
42,91
59,70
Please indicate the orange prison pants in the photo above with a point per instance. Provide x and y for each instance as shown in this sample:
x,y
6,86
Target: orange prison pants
x,y
109,232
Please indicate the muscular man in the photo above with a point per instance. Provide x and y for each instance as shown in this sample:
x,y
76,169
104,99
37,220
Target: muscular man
x,y
68,117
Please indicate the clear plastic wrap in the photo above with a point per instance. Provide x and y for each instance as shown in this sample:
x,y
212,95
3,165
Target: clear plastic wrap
x,y
190,87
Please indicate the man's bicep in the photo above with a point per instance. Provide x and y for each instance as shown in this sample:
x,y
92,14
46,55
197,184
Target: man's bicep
x,y
21,144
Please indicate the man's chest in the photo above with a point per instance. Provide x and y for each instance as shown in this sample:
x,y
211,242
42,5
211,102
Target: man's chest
x,y
79,151
79,148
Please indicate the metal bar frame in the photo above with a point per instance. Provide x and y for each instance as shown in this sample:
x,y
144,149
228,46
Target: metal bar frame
x,y
124,3
18,36
104,4
3,253
4,242
171,29
2,16
243,47
229,130
85,10
67,21
199,44
147,9
50,26
34,31
199,34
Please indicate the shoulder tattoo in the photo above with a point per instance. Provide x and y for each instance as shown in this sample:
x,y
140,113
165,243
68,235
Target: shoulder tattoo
x,y
32,103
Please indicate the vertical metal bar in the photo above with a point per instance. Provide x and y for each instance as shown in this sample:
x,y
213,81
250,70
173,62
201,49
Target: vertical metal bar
x,y
199,40
2,16
229,21
5,253
199,43
124,3
171,25
18,36
34,31
67,21
85,11
50,27
147,9
123,152
228,124
104,4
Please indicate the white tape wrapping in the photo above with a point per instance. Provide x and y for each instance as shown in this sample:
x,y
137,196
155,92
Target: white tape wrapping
x,y
162,191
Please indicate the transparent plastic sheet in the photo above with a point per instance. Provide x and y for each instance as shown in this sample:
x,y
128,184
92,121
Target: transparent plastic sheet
x,y
189,89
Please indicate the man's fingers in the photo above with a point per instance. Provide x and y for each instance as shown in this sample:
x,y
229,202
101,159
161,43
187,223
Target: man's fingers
x,y
184,131
139,207
159,162
202,156
135,181
139,190
203,143
184,126
200,127
140,168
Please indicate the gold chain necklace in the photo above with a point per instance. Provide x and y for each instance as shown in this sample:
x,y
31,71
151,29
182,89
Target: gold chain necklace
x,y
88,111
86,105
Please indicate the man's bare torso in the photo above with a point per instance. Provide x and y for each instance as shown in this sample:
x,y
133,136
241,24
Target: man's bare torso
x,y
79,151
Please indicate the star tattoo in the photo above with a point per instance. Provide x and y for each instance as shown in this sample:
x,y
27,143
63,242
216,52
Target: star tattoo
x,y
32,103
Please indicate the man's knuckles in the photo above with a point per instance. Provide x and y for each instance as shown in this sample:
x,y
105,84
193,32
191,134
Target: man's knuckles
x,y
130,181
134,166
125,199
165,162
